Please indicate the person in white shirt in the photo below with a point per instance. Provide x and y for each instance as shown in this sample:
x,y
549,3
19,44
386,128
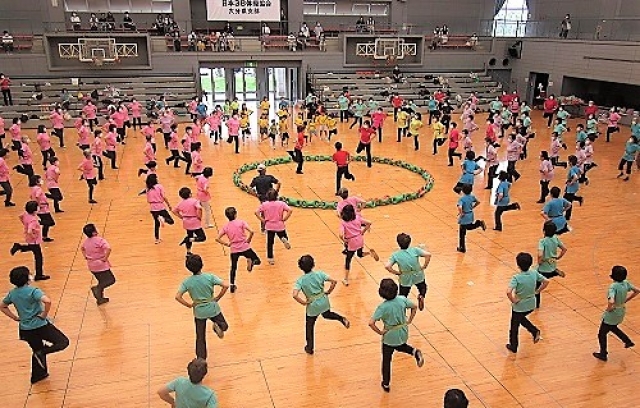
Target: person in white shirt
x,y
76,23
305,30
318,30
7,42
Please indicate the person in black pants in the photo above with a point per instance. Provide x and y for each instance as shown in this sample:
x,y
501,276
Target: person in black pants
x,y
262,183
33,238
619,294
296,153
521,292
33,308
342,158
446,110
7,189
503,200
239,244
274,214
572,185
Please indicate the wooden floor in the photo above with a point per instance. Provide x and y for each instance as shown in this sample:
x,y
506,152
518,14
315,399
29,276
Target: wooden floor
x,y
122,352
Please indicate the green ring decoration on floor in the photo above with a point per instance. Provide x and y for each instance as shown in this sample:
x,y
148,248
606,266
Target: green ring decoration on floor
x,y
332,205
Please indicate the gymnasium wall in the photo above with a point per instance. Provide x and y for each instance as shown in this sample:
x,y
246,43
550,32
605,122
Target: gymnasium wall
x,y
596,9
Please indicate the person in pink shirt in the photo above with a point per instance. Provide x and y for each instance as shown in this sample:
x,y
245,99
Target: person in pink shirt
x,y
239,237
5,182
97,150
378,117
148,130
546,175
136,113
25,158
190,212
193,104
203,194
52,177
84,135
2,133
514,148
470,125
89,111
44,141
44,212
166,120
174,148
88,174
122,108
273,214
57,123
96,251
556,145
149,156
197,161
357,202
16,134
33,239
196,130
233,126
612,123
352,230
491,156
111,142
588,160
118,119
467,143
158,204
215,122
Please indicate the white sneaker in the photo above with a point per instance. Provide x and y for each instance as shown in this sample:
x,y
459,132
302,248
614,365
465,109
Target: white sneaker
x,y
210,226
286,243
218,330
161,220
271,261
345,282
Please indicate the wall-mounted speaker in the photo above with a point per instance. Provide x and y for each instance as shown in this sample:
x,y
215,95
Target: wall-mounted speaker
x,y
505,62
492,62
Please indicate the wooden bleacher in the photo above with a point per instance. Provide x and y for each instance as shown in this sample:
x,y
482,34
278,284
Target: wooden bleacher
x,y
453,42
22,42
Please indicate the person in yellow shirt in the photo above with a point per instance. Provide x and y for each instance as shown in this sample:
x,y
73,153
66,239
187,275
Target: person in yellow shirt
x,y
273,131
299,121
414,129
332,125
438,135
282,112
311,130
263,124
265,106
284,130
321,124
402,123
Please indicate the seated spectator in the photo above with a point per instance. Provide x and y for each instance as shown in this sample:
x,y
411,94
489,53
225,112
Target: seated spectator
x,y
445,30
455,398
371,25
192,39
201,45
102,20
65,99
158,25
437,38
111,22
473,41
177,41
214,40
396,75
304,30
318,30
127,22
228,29
292,41
76,22
231,42
7,41
302,40
93,22
322,43
265,32
361,26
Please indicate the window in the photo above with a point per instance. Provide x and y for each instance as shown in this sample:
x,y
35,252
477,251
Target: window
x,y
511,20
314,8
373,9
119,6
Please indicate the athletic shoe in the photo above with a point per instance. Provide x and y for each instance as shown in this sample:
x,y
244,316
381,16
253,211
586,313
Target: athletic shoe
x,y
41,277
385,387
561,273
233,288
483,225
271,261
581,200
35,380
102,301
346,323
93,202
15,248
286,243
517,206
210,226
157,241
374,254
600,356
461,250
345,282
47,239
249,265
537,337
308,350
9,204
629,345
511,348
419,358
218,330
540,201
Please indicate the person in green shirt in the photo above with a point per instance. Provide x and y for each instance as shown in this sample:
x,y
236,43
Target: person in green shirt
x,y
548,255
343,105
316,298
410,272
33,307
359,109
620,292
190,393
521,292
204,302
395,333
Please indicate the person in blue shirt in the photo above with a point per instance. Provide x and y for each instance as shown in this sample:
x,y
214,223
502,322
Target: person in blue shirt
x,y
630,150
33,307
470,169
503,200
434,112
466,204
554,211
189,392
201,109
572,185
521,292
619,294
581,135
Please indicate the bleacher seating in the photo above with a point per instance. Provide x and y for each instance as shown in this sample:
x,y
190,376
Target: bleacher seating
x,y
453,42
280,41
368,83
22,42
176,88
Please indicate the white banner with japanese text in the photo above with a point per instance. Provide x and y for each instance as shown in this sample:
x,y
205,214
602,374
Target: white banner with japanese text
x,y
243,10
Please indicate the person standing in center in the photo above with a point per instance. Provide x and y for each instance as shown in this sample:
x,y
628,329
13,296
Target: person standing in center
x,y
262,183
546,175
189,211
572,185
89,174
521,293
204,302
503,200
274,214
410,272
342,158
366,133
316,299
395,333
96,251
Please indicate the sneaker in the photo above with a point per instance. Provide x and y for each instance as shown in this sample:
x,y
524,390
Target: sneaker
x,y
629,345
286,243
385,387
537,337
345,282
540,201
600,356
39,356
102,301
581,199
374,254
9,204
561,273
47,239
419,358
511,348
93,202
461,250
620,175
15,248
271,261
249,265
233,288
157,241
41,277
483,225
420,303
218,330
517,205
35,380
308,350
346,323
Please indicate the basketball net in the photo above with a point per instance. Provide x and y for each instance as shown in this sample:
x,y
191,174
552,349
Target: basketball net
x,y
98,62
391,60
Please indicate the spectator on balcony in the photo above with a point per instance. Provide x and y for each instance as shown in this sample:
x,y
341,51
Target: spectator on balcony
x,y
76,22
93,22
371,25
214,40
473,41
5,88
7,42
65,99
565,26
201,44
302,40
111,22
322,43
397,75
318,30
228,29
177,41
292,42
127,22
192,39
304,30
102,21
265,32
361,25
158,25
